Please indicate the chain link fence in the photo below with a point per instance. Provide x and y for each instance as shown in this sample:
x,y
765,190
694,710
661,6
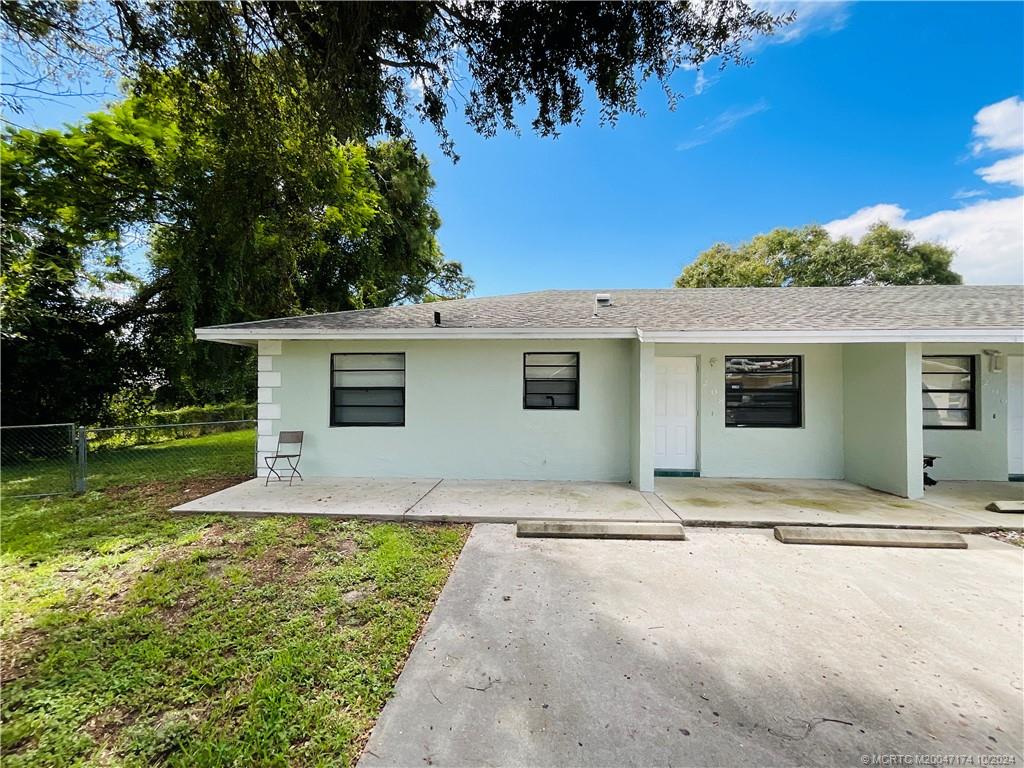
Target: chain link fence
x,y
38,460
51,459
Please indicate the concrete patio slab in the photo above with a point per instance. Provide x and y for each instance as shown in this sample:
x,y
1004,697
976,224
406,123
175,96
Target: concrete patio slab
x,y
371,498
508,501
692,501
957,506
728,649
974,495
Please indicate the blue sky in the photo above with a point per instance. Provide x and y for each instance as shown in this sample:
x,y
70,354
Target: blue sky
x,y
860,112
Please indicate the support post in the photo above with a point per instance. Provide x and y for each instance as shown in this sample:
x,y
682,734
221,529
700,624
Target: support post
x,y
81,456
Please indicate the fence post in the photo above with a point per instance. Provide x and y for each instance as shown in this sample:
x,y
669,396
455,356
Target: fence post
x,y
82,452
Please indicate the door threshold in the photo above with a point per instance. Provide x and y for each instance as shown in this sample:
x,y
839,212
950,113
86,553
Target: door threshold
x,y
677,473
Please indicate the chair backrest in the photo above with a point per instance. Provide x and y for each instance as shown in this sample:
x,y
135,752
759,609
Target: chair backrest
x,y
289,442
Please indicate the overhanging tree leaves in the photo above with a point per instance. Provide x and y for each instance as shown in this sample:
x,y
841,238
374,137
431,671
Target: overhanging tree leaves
x,y
810,257
272,196
353,62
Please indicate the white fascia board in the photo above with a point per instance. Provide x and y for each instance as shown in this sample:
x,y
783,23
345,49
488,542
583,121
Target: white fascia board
x,y
835,337
251,335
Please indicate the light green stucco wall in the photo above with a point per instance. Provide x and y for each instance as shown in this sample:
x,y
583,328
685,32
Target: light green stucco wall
x,y
882,415
464,413
814,450
642,392
981,453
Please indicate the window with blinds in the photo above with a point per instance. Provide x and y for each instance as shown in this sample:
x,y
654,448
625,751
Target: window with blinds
x,y
947,391
551,380
368,389
763,391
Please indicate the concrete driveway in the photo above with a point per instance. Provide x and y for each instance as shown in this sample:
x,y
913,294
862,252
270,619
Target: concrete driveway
x,y
727,649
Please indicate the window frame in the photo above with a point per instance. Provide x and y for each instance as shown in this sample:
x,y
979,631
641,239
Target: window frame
x,y
333,422
527,407
797,390
971,391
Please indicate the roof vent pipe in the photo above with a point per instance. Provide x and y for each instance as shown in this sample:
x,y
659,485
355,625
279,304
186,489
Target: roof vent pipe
x,y
437,319
603,299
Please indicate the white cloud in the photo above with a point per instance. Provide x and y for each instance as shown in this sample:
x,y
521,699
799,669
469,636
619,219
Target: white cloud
x,y
999,126
419,83
967,194
811,18
856,224
700,84
1009,170
987,236
725,121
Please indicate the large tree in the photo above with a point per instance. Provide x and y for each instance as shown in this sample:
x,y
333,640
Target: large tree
x,y
234,228
811,257
247,159
353,62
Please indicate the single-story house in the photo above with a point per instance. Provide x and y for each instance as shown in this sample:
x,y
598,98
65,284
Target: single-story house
x,y
856,383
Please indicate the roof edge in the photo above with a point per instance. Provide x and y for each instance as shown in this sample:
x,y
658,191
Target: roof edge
x,y
248,336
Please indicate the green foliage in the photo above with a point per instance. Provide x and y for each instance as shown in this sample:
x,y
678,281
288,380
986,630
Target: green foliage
x,y
241,225
136,637
810,257
247,159
69,198
349,65
233,411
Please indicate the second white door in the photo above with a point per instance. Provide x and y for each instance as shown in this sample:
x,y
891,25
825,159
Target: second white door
x,y
1015,413
675,413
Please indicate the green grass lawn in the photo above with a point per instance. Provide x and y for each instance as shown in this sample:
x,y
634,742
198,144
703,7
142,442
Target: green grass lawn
x,y
227,453
136,637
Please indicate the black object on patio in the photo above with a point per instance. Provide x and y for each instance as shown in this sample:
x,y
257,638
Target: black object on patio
x,y
289,449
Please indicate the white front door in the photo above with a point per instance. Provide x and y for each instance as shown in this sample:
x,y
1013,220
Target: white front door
x,y
675,413
1015,413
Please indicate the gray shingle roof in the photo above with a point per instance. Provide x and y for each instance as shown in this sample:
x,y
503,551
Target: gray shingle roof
x,y
698,309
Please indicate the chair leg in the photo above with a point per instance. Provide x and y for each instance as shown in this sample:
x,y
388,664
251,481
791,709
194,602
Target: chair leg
x,y
271,461
295,470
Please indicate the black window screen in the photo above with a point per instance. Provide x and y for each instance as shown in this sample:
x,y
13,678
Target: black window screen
x,y
368,389
763,391
551,380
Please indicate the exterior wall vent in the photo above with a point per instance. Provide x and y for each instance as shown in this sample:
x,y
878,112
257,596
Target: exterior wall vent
x,y
603,299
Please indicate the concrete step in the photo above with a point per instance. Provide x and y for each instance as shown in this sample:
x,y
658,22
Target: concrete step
x,y
593,529
869,537
1006,506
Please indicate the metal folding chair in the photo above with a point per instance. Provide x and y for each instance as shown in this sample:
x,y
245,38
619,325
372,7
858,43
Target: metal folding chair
x,y
289,449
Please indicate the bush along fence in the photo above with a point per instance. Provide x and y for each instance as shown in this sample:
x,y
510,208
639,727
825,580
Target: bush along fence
x,y
51,459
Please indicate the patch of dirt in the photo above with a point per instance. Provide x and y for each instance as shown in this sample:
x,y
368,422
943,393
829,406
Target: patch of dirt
x,y
347,547
171,494
212,536
105,726
1010,537
18,650
282,563
173,616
